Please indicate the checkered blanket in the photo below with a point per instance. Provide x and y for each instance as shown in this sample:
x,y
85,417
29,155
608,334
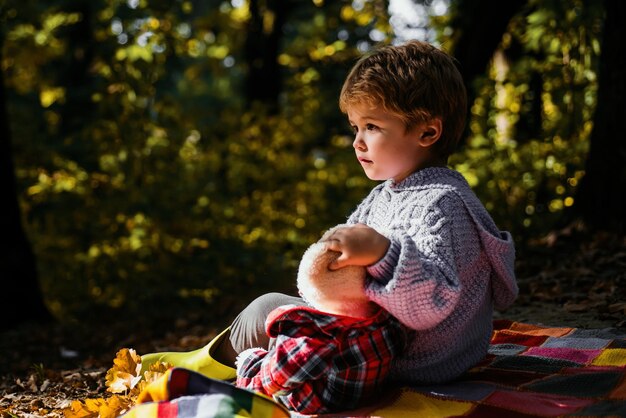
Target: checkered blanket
x,y
531,371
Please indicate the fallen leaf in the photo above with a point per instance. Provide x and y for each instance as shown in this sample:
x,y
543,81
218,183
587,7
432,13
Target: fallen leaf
x,y
617,307
124,374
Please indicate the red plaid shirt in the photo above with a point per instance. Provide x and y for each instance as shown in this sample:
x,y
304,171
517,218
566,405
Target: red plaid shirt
x,y
321,362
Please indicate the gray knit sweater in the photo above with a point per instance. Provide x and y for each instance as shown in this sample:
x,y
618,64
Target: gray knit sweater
x,y
447,268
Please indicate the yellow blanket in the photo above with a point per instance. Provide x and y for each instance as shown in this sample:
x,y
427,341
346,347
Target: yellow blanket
x,y
530,371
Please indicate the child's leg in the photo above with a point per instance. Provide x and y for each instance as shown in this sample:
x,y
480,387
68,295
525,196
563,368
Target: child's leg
x,y
248,329
217,358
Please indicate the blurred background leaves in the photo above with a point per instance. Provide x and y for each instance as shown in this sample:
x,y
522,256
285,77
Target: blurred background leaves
x,y
184,153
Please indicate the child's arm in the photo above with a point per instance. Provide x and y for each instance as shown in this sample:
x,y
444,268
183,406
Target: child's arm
x,y
358,244
415,278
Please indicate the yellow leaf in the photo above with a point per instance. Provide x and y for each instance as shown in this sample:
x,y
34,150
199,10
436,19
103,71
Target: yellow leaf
x,y
158,368
118,381
115,406
155,371
124,375
99,408
128,360
87,409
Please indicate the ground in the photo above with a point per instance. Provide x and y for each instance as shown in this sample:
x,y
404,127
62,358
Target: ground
x,y
570,278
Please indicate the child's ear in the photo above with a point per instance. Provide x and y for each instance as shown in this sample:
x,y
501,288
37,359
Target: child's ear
x,y
430,132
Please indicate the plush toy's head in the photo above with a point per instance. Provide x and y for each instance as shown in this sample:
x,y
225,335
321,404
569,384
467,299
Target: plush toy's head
x,y
334,291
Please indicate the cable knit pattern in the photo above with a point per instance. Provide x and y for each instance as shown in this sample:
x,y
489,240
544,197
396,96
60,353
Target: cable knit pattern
x,y
446,269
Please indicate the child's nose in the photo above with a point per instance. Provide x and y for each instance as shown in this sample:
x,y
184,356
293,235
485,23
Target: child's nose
x,y
358,143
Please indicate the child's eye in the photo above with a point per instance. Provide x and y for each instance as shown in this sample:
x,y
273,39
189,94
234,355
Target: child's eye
x,y
354,129
371,127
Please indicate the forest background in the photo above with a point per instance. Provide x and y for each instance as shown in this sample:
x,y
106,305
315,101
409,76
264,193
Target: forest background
x,y
169,160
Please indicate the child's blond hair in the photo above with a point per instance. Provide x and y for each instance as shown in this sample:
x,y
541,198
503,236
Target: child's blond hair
x,y
414,81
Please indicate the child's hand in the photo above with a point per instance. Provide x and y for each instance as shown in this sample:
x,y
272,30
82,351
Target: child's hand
x,y
358,244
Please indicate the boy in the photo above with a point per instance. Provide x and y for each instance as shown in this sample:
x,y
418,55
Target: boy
x,y
435,259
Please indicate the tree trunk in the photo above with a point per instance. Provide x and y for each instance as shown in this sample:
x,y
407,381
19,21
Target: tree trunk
x,y
264,82
22,300
479,26
75,74
600,197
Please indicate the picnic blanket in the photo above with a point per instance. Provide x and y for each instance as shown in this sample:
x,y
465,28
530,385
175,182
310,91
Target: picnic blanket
x,y
530,371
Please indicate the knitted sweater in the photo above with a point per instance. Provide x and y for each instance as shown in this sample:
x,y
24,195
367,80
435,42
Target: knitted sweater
x,y
446,269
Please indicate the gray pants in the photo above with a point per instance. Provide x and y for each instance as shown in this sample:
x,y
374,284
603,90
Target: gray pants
x,y
248,328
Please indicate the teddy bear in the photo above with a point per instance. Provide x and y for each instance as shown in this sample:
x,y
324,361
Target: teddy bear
x,y
339,292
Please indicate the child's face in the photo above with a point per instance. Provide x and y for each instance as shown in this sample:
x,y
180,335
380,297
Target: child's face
x,y
383,146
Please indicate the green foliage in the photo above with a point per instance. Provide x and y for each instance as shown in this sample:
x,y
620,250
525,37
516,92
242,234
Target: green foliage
x,y
146,175
531,122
